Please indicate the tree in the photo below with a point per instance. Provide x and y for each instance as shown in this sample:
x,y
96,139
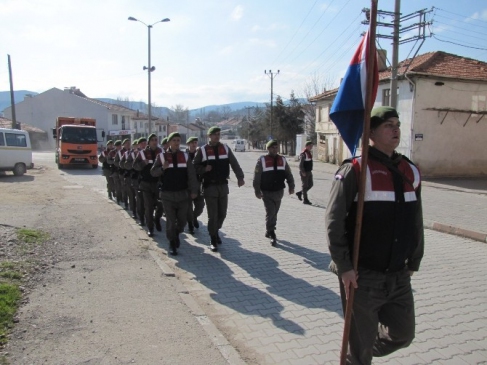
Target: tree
x,y
179,114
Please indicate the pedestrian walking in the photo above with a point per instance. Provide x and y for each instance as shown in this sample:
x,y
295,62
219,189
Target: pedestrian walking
x,y
197,204
115,169
136,178
270,173
148,185
212,162
122,172
178,177
107,169
306,172
131,179
391,244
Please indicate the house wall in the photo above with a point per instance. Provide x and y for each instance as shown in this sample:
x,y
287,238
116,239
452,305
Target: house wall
x,y
453,143
42,110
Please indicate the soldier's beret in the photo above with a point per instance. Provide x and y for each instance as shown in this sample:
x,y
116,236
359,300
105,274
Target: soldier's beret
x,y
136,141
308,143
164,140
118,142
152,136
214,129
171,136
191,139
271,143
380,114
142,139
109,142
125,140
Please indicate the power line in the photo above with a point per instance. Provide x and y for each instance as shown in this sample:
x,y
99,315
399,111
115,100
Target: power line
x,y
463,16
327,25
467,35
456,20
302,39
296,32
458,44
465,29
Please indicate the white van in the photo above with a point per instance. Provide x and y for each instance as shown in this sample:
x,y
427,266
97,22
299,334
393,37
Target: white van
x,y
15,151
239,145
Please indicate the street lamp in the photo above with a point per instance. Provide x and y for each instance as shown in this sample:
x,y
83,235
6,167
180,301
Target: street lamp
x,y
149,68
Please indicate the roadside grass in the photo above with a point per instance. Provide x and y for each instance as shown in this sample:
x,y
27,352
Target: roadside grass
x,y
11,278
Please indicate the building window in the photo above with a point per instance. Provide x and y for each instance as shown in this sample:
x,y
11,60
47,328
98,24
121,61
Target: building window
x,y
114,119
386,97
123,122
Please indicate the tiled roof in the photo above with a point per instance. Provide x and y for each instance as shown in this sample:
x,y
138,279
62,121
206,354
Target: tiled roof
x,y
441,64
7,123
324,95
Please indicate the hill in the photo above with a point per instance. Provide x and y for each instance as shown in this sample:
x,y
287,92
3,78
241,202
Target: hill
x,y
18,96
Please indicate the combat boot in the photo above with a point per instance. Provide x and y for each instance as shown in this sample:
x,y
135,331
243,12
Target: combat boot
x,y
218,239
196,224
307,202
272,236
213,244
109,195
158,224
173,248
150,232
190,228
299,195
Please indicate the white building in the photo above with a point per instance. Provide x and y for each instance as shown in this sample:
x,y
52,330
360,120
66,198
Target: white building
x,y
442,107
42,110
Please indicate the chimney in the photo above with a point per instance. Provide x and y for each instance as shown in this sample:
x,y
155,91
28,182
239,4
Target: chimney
x,y
382,59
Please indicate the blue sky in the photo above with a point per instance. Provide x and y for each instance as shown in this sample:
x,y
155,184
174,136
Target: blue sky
x,y
211,52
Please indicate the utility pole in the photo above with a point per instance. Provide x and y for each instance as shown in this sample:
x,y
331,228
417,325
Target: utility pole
x,y
395,53
248,121
271,75
12,99
398,29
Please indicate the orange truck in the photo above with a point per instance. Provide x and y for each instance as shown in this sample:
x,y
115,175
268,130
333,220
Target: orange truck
x,y
76,141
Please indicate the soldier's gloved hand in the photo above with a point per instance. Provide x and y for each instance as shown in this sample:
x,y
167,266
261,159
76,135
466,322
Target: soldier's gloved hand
x,y
291,191
258,195
241,182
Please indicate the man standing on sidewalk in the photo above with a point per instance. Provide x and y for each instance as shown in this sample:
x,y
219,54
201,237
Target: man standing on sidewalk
x,y
148,184
391,244
305,170
197,204
177,176
213,161
269,175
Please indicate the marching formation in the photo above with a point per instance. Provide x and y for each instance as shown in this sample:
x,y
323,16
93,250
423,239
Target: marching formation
x,y
155,182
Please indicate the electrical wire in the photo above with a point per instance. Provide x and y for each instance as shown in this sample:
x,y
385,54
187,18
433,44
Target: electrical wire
x,y
296,32
463,16
458,44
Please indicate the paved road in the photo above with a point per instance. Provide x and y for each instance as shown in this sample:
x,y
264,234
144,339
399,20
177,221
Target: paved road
x,y
281,305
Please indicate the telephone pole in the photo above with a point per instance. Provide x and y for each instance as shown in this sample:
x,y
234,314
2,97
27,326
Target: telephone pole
x,y
12,99
271,75
398,29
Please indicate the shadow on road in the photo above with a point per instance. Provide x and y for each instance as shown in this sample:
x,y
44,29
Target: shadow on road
x,y
6,178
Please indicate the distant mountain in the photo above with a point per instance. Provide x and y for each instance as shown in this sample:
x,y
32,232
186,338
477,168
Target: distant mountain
x,y
160,111
18,96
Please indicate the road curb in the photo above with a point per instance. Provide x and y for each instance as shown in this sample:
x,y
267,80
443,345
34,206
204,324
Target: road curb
x,y
457,231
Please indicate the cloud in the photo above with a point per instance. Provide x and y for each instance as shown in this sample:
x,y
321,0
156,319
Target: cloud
x,y
262,42
237,13
479,15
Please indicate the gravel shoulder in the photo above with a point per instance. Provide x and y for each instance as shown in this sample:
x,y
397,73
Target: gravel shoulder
x,y
95,294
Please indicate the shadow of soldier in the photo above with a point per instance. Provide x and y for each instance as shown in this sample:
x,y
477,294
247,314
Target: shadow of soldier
x,y
212,272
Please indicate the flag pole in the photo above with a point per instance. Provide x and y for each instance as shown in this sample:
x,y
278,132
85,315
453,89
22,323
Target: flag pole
x,y
363,174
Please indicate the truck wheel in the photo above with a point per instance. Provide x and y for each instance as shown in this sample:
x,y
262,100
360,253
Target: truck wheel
x,y
19,169
94,166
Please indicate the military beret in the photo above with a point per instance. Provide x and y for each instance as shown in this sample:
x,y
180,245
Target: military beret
x,y
125,140
171,136
118,142
109,142
136,141
380,114
152,136
271,143
165,140
308,143
191,139
142,139
214,129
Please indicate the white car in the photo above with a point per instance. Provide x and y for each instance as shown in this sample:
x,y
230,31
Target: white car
x,y
239,145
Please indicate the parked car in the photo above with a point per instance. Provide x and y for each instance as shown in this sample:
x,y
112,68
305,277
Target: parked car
x,y
239,145
15,151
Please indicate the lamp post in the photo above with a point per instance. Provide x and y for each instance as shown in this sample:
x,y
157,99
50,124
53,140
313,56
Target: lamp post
x,y
271,75
149,68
